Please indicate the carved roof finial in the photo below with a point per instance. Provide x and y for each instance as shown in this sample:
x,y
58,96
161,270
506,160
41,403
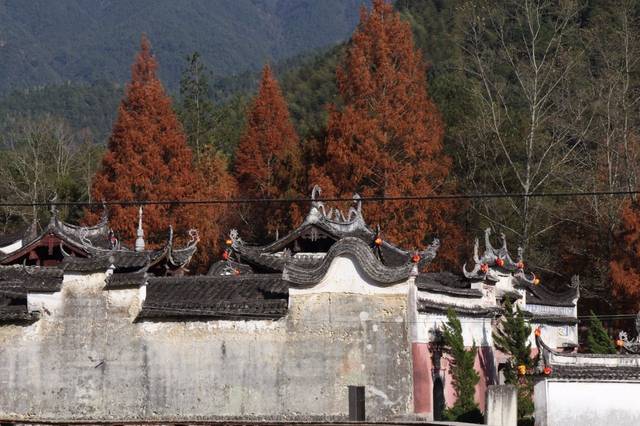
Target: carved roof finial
x,y
52,207
140,233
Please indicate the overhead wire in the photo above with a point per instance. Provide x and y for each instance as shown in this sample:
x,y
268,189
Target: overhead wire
x,y
427,197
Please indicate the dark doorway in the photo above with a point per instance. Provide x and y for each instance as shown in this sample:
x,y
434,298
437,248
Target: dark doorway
x,y
438,399
356,403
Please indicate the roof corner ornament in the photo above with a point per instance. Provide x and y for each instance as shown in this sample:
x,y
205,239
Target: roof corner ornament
x,y
476,251
430,253
194,237
236,241
317,207
631,345
104,217
355,213
140,233
53,208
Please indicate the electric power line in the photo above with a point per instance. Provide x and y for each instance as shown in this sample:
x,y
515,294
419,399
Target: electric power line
x,y
430,197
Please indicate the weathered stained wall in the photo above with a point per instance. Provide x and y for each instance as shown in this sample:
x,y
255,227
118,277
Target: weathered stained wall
x,y
87,359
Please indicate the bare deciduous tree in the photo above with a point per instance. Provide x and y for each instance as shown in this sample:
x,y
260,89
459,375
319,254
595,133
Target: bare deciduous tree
x,y
530,127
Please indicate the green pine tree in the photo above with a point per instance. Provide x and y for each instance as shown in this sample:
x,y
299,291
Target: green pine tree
x,y
196,108
512,338
598,340
465,378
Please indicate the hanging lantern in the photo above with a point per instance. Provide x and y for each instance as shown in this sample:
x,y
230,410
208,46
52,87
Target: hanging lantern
x,y
619,343
536,281
228,241
520,265
415,258
522,369
538,332
500,262
484,268
225,255
547,370
378,241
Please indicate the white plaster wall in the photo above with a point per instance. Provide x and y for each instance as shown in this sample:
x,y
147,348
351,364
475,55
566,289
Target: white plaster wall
x,y
587,403
474,329
345,277
555,336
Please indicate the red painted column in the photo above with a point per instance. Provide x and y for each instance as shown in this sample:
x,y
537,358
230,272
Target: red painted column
x,y
422,382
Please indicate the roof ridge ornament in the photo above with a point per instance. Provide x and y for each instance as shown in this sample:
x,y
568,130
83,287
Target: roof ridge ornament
x,y
334,216
497,258
140,233
631,346
236,241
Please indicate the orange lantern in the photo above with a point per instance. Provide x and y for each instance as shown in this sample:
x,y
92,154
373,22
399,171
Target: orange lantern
x,y
536,280
547,370
500,262
619,343
378,241
228,241
522,369
415,258
484,268
538,332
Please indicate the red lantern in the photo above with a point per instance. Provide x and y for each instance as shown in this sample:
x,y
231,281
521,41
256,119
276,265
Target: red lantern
x,y
415,258
484,268
520,265
378,241
547,370
500,262
538,332
225,255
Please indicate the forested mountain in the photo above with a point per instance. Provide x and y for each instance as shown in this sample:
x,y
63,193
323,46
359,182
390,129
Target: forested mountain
x,y
44,42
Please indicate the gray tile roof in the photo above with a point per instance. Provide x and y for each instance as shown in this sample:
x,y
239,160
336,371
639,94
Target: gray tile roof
x,y
446,283
262,296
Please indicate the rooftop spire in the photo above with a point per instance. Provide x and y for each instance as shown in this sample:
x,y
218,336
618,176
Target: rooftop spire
x,y
140,233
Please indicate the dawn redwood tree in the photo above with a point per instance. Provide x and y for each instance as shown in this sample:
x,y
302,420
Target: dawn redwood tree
x,y
387,138
268,160
148,159
625,266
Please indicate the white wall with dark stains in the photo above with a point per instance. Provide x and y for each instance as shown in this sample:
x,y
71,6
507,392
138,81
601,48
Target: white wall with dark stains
x,y
88,359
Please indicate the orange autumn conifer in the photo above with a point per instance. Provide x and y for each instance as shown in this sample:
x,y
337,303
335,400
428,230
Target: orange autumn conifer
x,y
387,139
625,267
148,159
268,160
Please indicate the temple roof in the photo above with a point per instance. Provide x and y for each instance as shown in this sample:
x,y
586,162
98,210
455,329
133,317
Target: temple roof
x,y
15,284
446,283
495,263
263,296
31,278
309,274
94,248
588,367
320,230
